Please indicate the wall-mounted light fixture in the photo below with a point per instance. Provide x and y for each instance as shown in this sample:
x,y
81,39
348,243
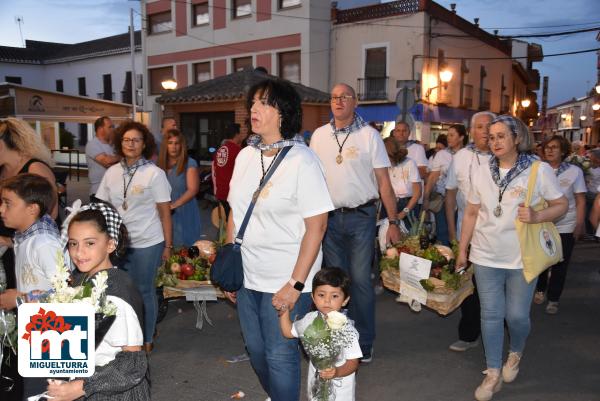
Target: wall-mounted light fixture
x,y
446,75
169,84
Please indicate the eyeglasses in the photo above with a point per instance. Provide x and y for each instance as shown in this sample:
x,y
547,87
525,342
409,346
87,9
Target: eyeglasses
x,y
343,98
553,147
134,141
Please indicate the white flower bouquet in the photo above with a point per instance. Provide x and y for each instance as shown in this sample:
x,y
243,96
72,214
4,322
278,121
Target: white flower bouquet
x,y
92,292
323,341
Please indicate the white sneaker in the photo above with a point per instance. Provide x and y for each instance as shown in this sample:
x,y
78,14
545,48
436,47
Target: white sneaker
x,y
462,346
552,308
491,384
510,370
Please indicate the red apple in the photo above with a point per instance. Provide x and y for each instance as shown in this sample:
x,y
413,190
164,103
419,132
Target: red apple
x,y
181,276
187,269
211,258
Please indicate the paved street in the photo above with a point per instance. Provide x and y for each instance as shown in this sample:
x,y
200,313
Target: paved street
x,y
411,359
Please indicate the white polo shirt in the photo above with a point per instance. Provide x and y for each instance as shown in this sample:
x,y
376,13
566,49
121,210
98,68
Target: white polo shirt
x,y
148,187
495,242
352,182
271,244
571,182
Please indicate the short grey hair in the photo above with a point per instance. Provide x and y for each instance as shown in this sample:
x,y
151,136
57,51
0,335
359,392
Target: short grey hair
x,y
519,130
481,114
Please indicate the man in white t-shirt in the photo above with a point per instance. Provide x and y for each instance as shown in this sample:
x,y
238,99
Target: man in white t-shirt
x,y
356,169
100,153
416,151
465,162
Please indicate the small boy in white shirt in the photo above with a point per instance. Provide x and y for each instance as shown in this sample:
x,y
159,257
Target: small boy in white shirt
x,y
26,200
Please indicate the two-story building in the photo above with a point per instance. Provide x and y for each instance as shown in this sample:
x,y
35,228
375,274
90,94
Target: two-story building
x,y
398,55
197,40
574,119
75,74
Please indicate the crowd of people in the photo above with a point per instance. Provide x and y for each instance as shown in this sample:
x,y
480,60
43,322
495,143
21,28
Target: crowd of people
x,y
311,237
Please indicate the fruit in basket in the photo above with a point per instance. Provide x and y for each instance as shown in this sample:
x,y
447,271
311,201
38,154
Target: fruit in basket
x,y
445,251
183,252
206,248
211,258
187,269
193,252
175,267
391,253
181,276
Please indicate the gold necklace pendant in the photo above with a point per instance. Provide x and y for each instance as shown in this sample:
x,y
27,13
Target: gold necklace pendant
x,y
339,159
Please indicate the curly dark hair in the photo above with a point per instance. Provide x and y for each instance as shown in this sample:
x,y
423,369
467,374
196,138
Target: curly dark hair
x,y
333,276
148,138
565,145
281,95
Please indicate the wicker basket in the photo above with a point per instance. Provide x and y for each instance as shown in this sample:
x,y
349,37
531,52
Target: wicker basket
x,y
182,285
442,300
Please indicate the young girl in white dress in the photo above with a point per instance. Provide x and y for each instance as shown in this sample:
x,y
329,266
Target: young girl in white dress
x,y
95,234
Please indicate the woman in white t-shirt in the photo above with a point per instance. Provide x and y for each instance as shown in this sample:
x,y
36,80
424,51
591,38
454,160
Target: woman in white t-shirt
x,y
495,200
141,193
405,179
281,248
436,181
571,226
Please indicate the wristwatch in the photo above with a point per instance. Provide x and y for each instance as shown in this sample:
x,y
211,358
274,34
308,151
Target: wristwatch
x,y
406,210
298,286
394,222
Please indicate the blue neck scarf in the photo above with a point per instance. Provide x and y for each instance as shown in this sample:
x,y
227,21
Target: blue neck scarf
x,y
523,162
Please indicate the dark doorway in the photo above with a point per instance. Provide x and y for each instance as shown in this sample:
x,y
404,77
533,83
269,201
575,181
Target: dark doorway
x,y
204,132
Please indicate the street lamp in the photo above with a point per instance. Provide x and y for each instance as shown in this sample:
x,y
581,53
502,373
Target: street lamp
x,y
598,88
169,84
596,106
525,103
445,77
582,118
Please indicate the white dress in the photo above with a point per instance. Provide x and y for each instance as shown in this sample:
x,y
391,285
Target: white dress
x,y
344,386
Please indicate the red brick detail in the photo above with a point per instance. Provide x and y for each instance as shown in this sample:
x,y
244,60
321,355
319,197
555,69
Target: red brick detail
x,y
181,75
252,46
219,68
219,16
181,18
264,60
158,7
263,10
199,1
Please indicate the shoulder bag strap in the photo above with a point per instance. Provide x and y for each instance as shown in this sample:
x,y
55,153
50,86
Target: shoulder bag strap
x,y
239,238
531,183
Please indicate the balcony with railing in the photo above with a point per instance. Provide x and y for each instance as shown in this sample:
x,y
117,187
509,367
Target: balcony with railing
x,y
373,88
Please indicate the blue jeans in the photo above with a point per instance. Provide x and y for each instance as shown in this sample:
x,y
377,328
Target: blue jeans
x,y
142,265
504,295
441,227
275,359
349,245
